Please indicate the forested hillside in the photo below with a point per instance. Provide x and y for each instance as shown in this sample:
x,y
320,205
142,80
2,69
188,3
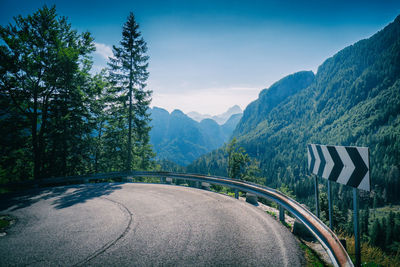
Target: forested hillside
x,y
269,98
180,139
354,99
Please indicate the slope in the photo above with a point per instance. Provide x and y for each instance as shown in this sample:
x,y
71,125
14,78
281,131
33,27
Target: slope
x,y
353,100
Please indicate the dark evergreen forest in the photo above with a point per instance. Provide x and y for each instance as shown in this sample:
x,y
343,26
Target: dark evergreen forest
x,y
56,118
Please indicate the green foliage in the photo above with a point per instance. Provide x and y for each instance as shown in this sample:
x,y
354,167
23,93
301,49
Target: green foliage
x,y
371,255
353,100
169,166
44,70
56,118
384,232
237,160
287,191
4,224
128,75
240,165
311,257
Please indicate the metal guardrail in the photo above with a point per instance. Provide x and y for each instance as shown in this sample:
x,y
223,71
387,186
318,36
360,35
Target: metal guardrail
x,y
324,234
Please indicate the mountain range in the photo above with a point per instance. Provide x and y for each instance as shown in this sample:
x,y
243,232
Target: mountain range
x,y
352,100
220,119
178,138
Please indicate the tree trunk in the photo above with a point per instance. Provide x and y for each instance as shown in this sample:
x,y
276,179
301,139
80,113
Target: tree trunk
x,y
36,152
130,120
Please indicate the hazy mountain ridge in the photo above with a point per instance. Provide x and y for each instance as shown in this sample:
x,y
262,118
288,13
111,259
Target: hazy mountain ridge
x,y
220,119
178,138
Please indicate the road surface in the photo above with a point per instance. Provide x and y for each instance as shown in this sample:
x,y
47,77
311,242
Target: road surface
x,y
135,224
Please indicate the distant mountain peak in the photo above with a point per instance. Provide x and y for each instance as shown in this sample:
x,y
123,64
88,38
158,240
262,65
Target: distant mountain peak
x,y
198,116
178,138
177,112
220,118
234,110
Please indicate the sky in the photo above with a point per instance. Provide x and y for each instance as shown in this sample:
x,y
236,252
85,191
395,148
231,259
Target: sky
x,y
207,56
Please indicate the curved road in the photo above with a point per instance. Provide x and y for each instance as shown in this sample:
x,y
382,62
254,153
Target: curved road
x,y
140,225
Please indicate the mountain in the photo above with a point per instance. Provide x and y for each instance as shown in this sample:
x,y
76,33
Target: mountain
x,y
269,98
198,116
178,138
220,119
354,99
229,126
254,113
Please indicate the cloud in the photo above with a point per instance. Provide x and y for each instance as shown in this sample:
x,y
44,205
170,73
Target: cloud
x,y
103,50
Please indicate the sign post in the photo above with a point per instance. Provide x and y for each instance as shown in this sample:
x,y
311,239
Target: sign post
x,y
345,165
316,196
356,228
330,204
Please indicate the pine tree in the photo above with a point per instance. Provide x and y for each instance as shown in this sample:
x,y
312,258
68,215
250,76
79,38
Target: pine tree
x,y
42,57
128,73
99,109
375,233
390,225
364,222
237,160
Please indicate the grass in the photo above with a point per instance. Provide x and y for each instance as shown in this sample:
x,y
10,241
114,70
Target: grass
x,y
287,225
370,255
4,191
382,212
5,222
312,258
273,214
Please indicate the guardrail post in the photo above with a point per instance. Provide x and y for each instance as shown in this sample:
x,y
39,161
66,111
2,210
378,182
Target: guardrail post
x,y
330,204
236,193
205,186
252,199
168,180
128,179
162,180
316,195
281,213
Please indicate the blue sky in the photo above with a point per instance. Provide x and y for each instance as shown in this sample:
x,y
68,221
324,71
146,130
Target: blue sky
x,y
206,56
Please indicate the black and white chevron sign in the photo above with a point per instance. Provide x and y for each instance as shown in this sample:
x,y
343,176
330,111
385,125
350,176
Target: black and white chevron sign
x,y
342,164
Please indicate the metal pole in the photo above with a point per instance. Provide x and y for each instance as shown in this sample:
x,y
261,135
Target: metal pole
x,y
281,213
356,229
236,193
316,195
330,204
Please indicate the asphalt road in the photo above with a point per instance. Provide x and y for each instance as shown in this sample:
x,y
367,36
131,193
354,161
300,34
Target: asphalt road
x,y
141,225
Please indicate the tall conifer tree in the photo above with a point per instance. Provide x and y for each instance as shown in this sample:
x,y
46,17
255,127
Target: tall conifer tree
x,y
128,73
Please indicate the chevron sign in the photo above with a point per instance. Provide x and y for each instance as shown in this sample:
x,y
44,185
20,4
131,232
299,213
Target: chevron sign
x,y
342,164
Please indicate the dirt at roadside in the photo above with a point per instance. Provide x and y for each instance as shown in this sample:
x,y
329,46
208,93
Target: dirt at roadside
x,y
6,221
